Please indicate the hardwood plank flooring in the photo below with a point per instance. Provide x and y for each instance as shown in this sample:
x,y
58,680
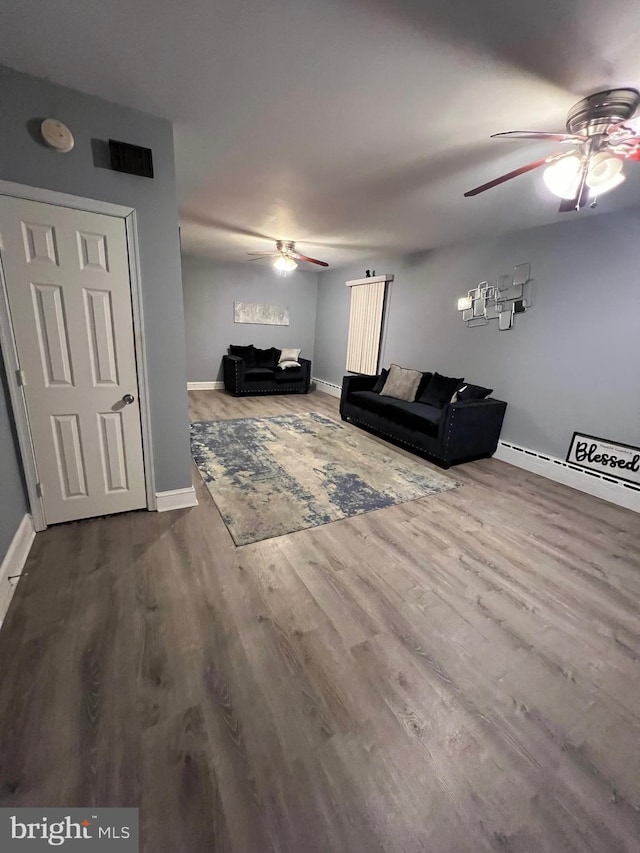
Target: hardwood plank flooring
x,y
456,674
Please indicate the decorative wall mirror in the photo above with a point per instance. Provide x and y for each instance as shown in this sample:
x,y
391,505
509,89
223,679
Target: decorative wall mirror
x,y
501,301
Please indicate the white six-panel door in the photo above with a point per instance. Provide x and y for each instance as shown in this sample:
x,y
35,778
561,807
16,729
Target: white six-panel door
x,y
67,279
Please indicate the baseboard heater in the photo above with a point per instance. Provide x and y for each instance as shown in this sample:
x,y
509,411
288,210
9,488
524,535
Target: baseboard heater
x,y
328,387
608,488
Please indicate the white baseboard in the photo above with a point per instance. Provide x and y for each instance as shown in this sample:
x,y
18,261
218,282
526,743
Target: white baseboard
x,y
176,499
205,386
328,387
13,562
609,489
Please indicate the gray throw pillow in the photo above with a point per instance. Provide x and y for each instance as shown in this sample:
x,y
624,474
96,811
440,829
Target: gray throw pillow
x,y
402,383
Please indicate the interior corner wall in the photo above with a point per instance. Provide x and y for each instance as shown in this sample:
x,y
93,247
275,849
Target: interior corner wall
x,y
569,363
210,290
85,172
13,502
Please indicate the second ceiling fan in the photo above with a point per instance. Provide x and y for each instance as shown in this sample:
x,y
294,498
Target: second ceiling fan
x,y
285,257
599,128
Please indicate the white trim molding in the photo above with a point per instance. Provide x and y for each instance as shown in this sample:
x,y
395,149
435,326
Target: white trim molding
x,y
135,280
354,281
328,387
205,386
608,488
14,561
176,499
92,205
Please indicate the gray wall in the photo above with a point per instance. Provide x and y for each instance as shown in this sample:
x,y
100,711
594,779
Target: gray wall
x,y
24,159
210,290
570,362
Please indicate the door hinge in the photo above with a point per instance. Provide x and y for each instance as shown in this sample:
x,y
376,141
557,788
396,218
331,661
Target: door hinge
x,y
39,489
20,378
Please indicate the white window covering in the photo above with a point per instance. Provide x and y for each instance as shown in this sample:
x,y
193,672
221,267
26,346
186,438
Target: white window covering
x,y
365,326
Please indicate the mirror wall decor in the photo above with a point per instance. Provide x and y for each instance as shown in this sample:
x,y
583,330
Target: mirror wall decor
x,y
500,300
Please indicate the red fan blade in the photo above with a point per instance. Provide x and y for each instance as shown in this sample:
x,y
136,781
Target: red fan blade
x,y
630,124
516,172
539,134
311,260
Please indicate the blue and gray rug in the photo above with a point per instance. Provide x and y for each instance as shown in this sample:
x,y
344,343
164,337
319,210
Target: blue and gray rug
x,y
271,476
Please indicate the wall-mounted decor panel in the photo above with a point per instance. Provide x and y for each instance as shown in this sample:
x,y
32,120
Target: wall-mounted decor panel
x,y
261,314
509,295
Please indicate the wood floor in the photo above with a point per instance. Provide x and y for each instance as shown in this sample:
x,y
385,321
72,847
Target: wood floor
x,y
456,674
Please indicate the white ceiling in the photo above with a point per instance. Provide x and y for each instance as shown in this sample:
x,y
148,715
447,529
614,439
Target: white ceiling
x,y
351,126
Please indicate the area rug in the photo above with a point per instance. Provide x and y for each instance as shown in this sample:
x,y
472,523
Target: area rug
x,y
271,476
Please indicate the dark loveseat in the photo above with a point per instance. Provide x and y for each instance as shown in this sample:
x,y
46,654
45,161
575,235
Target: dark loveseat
x,y
256,371
456,432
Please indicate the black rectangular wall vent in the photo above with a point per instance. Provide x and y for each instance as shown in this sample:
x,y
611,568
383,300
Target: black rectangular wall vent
x,y
132,159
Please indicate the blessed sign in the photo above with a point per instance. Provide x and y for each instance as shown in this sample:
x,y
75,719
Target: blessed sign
x,y
606,457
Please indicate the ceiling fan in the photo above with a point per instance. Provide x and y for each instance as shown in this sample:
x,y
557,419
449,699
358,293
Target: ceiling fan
x,y
603,137
285,257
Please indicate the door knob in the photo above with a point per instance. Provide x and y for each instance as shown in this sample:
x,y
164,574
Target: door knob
x,y
128,399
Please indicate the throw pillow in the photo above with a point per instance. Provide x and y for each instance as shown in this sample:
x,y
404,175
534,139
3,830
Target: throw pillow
x,y
290,363
267,357
440,390
473,392
248,354
377,388
289,355
402,383
426,379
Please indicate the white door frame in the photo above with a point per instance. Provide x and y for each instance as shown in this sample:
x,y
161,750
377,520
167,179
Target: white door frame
x,y
10,353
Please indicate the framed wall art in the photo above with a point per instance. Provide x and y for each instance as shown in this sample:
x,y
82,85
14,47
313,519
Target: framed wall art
x,y
606,457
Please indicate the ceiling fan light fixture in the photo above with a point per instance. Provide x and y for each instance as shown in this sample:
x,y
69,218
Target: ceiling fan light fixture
x,y
605,173
285,264
563,176
614,182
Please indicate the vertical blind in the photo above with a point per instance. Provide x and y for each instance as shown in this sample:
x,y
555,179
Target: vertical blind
x,y
365,327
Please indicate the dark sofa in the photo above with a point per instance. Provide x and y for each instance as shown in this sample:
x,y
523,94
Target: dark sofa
x,y
456,432
249,370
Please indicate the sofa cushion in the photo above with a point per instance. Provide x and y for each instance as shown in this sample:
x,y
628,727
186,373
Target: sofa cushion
x,y
440,390
473,392
382,378
258,374
402,383
290,374
371,401
419,416
247,354
267,357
